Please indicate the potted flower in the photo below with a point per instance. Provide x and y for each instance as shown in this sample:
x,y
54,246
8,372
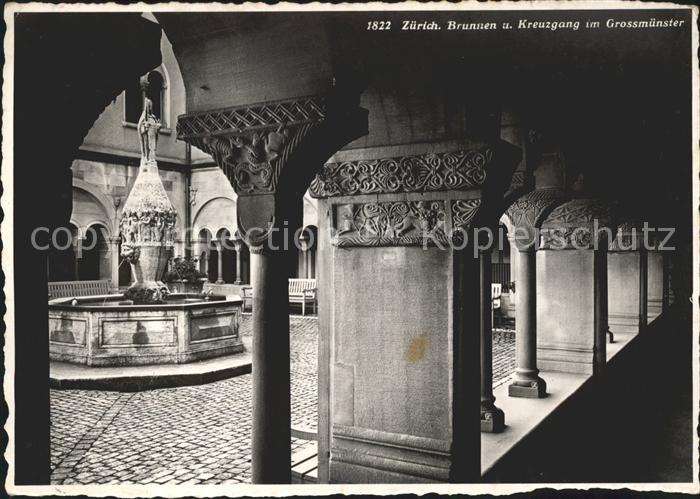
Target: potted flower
x,y
183,276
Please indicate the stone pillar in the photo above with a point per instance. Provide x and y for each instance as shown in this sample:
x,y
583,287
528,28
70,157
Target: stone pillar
x,y
238,246
220,262
571,284
654,283
206,262
401,313
643,287
295,138
526,382
666,303
624,281
526,215
600,304
492,418
78,255
271,438
114,256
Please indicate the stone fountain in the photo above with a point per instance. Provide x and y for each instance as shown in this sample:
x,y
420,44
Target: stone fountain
x,y
146,324
148,220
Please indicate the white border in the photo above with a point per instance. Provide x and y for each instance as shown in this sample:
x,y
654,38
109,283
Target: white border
x,y
259,490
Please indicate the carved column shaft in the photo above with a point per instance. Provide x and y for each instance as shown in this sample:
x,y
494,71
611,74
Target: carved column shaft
x,y
254,145
114,259
600,297
271,439
238,246
220,263
492,418
643,286
527,382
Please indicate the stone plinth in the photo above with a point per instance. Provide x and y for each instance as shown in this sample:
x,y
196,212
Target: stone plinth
x,y
565,310
623,291
99,331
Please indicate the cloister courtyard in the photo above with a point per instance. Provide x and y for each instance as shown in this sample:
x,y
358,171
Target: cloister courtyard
x,y
289,248
191,434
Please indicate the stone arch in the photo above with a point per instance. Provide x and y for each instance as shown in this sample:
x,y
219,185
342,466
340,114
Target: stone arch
x,y
214,214
106,213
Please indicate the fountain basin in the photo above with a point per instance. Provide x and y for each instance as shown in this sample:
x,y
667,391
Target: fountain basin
x,y
109,330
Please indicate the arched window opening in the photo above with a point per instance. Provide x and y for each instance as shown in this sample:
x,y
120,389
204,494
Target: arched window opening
x,y
133,105
95,260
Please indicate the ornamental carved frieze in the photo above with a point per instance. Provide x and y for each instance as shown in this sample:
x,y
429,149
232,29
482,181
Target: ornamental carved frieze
x,y
402,223
430,172
399,223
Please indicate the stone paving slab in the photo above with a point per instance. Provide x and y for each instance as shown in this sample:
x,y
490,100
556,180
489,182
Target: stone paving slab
x,y
188,434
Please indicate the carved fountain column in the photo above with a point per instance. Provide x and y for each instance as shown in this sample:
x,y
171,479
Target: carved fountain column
x,y
148,218
270,152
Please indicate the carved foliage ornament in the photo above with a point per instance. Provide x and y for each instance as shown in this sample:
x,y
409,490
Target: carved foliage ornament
x,y
423,173
401,223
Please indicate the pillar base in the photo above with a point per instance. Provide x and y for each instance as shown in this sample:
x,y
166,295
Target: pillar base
x,y
492,420
238,282
536,388
220,281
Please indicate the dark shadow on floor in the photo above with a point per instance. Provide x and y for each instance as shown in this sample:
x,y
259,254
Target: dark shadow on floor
x,y
634,425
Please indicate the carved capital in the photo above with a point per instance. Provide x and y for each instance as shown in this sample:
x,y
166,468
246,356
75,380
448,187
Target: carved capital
x,y
579,224
430,172
526,215
252,144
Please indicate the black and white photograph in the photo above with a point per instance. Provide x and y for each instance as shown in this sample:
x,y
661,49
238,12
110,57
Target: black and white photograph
x,y
310,249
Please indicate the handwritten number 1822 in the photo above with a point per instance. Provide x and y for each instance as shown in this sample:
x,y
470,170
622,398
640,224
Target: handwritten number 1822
x,y
378,25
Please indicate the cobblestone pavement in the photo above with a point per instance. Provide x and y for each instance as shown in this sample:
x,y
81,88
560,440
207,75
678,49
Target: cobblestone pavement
x,y
503,355
185,435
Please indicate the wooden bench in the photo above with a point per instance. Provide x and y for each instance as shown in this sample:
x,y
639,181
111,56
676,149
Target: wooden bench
x,y
300,291
67,289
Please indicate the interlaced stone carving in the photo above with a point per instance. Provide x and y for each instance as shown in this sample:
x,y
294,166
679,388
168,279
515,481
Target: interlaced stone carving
x,y
397,223
578,224
423,173
237,119
527,210
581,211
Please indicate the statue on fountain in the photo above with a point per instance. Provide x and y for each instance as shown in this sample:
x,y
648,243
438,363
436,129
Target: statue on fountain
x,y
146,215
